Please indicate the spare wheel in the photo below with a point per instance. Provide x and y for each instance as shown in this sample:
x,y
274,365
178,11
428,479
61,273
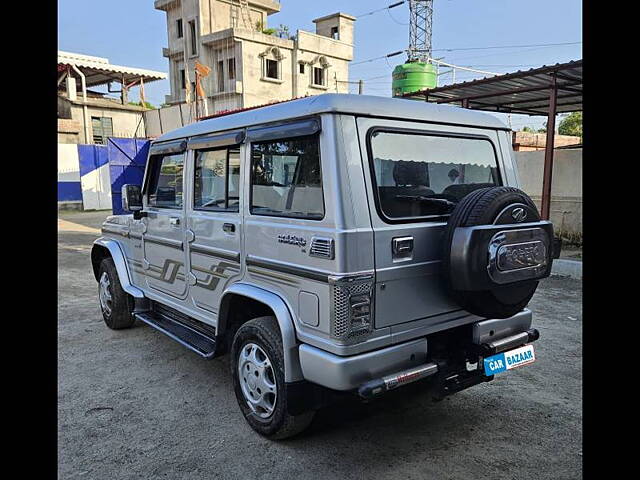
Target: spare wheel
x,y
496,249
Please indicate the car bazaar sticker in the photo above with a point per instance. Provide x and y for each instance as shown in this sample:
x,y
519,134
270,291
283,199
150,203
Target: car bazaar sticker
x,y
508,360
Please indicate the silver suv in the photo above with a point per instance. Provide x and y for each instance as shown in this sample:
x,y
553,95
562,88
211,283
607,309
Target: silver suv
x,y
332,245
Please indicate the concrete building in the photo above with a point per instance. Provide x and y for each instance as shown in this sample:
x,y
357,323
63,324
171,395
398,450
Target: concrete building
x,y
87,118
90,117
251,64
529,141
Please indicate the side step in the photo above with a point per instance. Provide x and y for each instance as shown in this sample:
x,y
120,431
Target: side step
x,y
194,340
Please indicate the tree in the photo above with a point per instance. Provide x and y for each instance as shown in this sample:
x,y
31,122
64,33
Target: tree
x,y
571,125
146,105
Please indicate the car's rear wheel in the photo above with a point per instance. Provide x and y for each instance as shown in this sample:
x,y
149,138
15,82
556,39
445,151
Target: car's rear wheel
x,y
257,368
115,303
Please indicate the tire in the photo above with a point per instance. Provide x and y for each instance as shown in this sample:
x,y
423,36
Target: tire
x,y
272,421
490,206
116,311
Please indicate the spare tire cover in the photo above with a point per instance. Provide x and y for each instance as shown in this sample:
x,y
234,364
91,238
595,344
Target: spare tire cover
x,y
490,206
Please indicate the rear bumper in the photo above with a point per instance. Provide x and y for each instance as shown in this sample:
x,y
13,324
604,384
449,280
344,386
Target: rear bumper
x,y
350,372
347,373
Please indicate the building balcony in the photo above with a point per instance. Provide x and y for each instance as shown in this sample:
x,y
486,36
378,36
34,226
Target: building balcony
x,y
165,4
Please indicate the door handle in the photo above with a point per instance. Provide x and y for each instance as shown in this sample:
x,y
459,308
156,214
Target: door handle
x,y
228,227
174,220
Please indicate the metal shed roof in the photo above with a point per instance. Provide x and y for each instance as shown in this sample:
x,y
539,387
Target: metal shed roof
x,y
98,70
525,91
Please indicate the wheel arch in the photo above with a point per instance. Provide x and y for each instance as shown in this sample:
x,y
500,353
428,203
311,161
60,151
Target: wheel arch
x,y
260,302
104,248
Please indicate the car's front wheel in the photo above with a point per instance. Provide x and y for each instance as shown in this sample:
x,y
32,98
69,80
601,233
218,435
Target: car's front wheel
x,y
257,368
115,303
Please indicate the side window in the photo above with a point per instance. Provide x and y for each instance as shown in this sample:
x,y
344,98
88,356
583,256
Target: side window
x,y
286,179
216,184
165,183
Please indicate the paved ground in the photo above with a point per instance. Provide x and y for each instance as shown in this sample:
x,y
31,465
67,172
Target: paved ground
x,y
134,404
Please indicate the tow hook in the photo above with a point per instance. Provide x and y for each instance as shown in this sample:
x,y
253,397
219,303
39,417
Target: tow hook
x,y
379,386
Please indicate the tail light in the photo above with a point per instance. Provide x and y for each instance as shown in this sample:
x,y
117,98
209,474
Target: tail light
x,y
351,307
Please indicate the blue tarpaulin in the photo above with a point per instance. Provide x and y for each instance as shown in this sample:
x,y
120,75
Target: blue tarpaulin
x,y
127,160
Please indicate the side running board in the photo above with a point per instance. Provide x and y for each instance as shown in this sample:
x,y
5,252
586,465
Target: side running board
x,y
194,340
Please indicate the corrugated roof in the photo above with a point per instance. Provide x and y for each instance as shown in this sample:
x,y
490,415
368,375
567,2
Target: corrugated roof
x,y
99,71
525,91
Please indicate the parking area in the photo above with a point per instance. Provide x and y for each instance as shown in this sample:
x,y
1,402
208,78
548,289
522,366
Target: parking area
x,y
135,404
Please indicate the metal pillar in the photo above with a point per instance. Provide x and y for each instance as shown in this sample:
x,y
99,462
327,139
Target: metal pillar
x,y
548,152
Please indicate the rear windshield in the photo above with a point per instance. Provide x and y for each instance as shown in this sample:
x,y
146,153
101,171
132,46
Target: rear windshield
x,y
423,175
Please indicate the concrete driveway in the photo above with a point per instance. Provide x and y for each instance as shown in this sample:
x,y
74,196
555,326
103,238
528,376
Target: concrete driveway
x,y
135,404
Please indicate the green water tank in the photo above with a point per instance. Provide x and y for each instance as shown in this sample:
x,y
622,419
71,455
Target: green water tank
x,y
412,77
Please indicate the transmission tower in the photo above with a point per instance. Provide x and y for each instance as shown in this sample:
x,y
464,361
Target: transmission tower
x,y
420,26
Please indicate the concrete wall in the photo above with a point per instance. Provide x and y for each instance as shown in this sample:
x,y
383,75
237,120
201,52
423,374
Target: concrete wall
x,y
528,141
69,185
125,122
566,187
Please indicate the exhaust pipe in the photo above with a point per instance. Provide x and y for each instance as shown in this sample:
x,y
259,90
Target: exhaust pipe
x,y
378,386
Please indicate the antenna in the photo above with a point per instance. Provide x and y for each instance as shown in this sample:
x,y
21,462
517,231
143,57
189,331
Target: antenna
x,y
420,28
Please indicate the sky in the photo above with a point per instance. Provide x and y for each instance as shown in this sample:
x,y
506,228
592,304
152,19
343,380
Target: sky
x,y
133,33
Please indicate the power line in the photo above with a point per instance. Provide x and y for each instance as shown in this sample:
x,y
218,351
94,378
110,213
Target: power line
x,y
388,7
505,46
379,58
475,48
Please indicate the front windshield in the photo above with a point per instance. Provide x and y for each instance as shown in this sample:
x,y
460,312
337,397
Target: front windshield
x,y
419,175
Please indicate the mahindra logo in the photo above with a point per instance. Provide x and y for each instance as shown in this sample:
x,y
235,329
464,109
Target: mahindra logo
x,y
292,240
519,214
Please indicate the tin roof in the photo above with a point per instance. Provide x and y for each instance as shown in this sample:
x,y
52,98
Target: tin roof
x,y
525,91
98,70
364,105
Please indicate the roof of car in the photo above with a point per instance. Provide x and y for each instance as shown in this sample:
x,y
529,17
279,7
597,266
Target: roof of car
x,y
368,105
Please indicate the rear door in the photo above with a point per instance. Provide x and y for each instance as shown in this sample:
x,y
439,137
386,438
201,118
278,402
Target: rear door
x,y
163,231
415,173
214,226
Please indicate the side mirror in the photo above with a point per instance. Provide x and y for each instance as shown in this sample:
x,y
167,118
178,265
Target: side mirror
x,y
131,198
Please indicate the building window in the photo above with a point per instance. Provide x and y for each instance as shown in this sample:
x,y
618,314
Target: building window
x,y
272,64
179,31
183,79
318,76
302,68
193,37
271,69
231,64
102,129
335,33
221,76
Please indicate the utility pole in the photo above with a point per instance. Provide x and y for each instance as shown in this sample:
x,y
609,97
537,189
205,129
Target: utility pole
x,y
420,29
360,87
